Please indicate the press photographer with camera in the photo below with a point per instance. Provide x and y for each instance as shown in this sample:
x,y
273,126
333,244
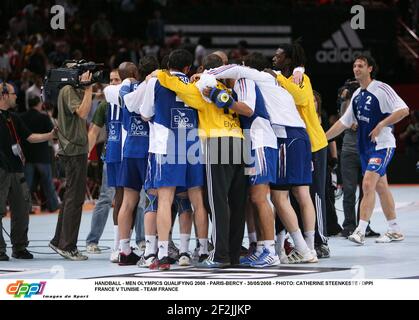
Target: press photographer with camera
x,y
73,105
13,187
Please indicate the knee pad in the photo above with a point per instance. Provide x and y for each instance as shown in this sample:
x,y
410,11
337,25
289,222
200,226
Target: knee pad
x,y
150,203
182,204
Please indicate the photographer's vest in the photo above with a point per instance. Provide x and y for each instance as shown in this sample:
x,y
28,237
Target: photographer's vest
x,y
137,140
175,124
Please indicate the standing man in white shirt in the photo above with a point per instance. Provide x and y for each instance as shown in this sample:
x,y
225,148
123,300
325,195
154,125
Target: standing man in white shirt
x,y
375,107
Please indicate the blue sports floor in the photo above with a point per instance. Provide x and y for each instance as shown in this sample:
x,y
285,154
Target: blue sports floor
x,y
348,261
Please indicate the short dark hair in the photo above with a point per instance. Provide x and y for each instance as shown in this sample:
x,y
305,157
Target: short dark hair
x,y
164,62
295,52
256,60
33,101
179,59
147,65
370,62
211,61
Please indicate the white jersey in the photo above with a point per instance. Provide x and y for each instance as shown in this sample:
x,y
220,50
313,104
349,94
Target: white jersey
x,y
367,108
147,111
111,93
259,126
134,100
279,102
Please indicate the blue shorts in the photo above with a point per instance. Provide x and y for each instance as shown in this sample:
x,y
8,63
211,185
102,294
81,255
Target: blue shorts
x,y
133,173
163,174
264,168
377,161
294,161
113,170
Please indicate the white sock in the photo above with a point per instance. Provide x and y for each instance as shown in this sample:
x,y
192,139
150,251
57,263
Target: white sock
x,y
184,242
203,246
259,248
299,242
115,238
124,246
252,237
163,246
150,245
362,226
309,236
393,226
270,245
280,237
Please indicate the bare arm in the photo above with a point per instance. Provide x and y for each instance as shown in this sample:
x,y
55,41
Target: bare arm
x,y
92,136
335,130
392,119
237,106
86,103
242,108
41,137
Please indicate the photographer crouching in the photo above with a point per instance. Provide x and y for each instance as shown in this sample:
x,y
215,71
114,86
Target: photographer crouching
x,y
13,187
73,105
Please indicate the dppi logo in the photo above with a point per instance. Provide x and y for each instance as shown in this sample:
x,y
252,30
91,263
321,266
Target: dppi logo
x,y
27,290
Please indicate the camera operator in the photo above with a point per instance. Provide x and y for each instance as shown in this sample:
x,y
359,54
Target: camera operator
x,y
73,105
13,185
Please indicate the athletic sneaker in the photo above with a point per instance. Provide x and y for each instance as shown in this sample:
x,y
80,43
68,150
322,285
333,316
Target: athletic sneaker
x,y
322,251
207,263
288,246
390,237
54,247
128,260
283,257
202,257
184,259
173,252
195,254
249,259
141,246
357,237
297,257
114,258
161,264
146,261
74,255
93,248
266,259
369,233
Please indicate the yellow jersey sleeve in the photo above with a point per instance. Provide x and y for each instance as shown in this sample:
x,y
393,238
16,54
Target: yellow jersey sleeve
x,y
188,92
304,100
300,93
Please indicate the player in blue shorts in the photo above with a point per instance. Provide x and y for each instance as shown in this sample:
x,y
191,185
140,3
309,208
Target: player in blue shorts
x,y
135,152
294,152
375,107
173,138
114,144
261,168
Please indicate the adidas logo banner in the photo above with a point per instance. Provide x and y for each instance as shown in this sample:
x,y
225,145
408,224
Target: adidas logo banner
x,y
343,45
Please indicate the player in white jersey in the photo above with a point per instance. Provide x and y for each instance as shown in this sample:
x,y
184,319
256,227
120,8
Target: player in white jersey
x,y
375,107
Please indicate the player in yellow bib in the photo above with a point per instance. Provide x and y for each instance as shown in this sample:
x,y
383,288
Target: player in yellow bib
x,y
286,59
